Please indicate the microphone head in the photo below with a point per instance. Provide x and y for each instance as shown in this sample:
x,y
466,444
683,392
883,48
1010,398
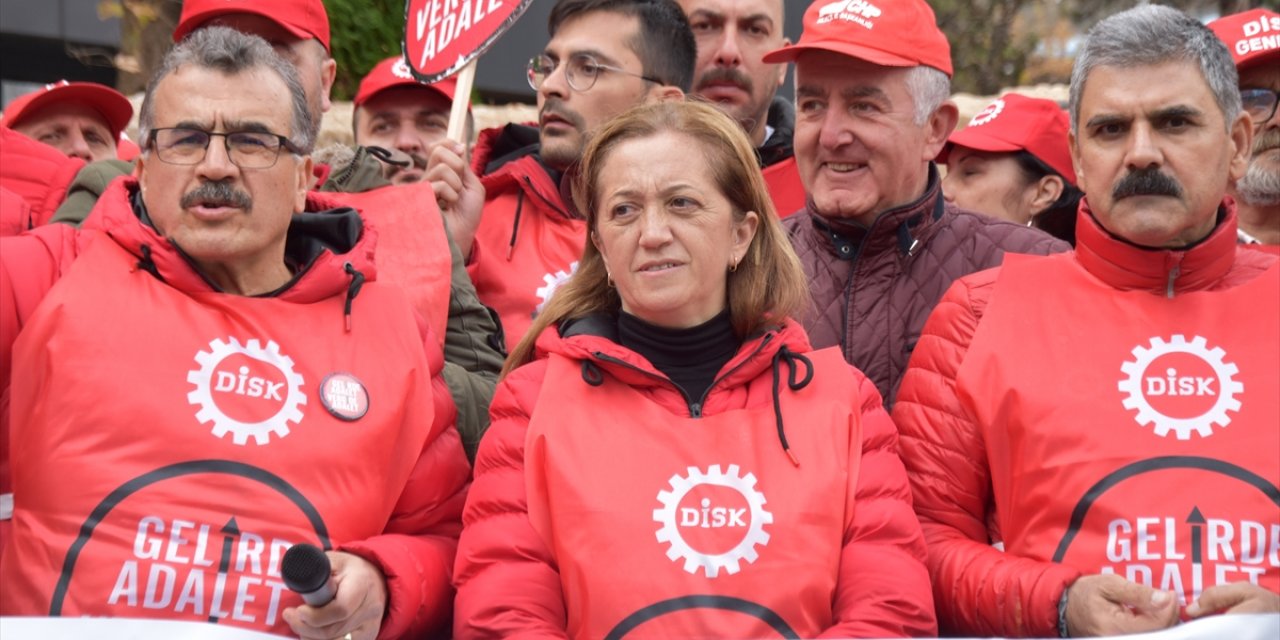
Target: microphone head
x,y
305,568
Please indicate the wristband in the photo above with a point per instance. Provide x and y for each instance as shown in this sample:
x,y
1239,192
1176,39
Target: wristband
x,y
1062,615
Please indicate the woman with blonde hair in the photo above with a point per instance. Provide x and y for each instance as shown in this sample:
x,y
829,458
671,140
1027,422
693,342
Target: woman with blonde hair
x,y
668,457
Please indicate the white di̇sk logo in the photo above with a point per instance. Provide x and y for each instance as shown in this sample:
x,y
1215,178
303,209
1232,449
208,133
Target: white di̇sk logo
x,y
248,390
737,512
551,282
987,115
1181,386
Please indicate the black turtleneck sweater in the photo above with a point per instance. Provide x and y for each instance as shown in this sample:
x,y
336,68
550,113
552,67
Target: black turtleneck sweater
x,y
690,357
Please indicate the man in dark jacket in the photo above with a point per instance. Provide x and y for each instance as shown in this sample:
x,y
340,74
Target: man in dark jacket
x,y
733,36
879,243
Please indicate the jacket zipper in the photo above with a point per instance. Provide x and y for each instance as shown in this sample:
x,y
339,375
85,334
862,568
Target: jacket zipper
x,y
345,173
848,294
695,408
1174,272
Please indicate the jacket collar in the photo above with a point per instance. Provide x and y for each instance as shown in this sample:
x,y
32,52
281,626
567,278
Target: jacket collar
x,y
321,242
902,229
777,147
1167,272
595,338
500,145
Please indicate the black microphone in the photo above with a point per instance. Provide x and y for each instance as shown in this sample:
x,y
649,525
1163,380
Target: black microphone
x,y
305,569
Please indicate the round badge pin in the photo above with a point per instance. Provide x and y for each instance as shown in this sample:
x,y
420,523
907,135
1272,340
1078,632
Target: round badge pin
x,y
344,396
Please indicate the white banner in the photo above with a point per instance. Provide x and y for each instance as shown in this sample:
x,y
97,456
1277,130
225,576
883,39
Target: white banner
x,y
122,629
1235,627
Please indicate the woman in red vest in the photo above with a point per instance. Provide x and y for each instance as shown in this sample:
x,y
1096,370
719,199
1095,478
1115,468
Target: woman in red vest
x,y
668,456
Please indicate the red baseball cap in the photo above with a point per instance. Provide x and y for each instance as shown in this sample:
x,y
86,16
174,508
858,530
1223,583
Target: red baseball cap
x,y
394,72
1253,36
303,18
114,108
1019,123
891,33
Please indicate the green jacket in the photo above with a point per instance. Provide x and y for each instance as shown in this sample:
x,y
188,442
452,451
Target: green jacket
x,y
472,356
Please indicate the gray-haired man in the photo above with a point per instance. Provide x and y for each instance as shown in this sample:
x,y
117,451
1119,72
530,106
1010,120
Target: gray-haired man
x,y
1109,416
877,240
171,429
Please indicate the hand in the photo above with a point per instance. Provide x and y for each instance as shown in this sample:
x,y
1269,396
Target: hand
x,y
357,607
458,191
1237,597
1106,605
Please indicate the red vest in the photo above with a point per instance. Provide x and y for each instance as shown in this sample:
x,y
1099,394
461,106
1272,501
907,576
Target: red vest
x,y
1138,434
665,527
162,472
785,187
413,251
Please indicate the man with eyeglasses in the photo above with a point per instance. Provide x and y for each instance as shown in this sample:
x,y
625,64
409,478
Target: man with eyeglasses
x,y
172,431
510,211
1254,40
416,252
1111,412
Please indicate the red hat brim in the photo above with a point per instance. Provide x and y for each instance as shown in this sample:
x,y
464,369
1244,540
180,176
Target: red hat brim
x,y
115,109
872,55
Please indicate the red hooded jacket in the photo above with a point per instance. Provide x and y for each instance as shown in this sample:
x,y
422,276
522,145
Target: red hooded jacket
x,y
529,239
1111,410
562,535
206,432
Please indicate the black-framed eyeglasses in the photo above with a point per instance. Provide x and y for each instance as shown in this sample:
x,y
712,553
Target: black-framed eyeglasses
x,y
1260,104
246,149
581,71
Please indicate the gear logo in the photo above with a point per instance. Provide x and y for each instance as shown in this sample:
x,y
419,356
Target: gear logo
x,y
1181,386
550,283
720,513
247,390
988,114
401,70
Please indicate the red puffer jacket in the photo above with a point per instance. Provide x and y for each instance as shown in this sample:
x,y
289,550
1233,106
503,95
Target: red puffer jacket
x,y
15,213
873,287
1035,413
37,172
201,408
559,530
